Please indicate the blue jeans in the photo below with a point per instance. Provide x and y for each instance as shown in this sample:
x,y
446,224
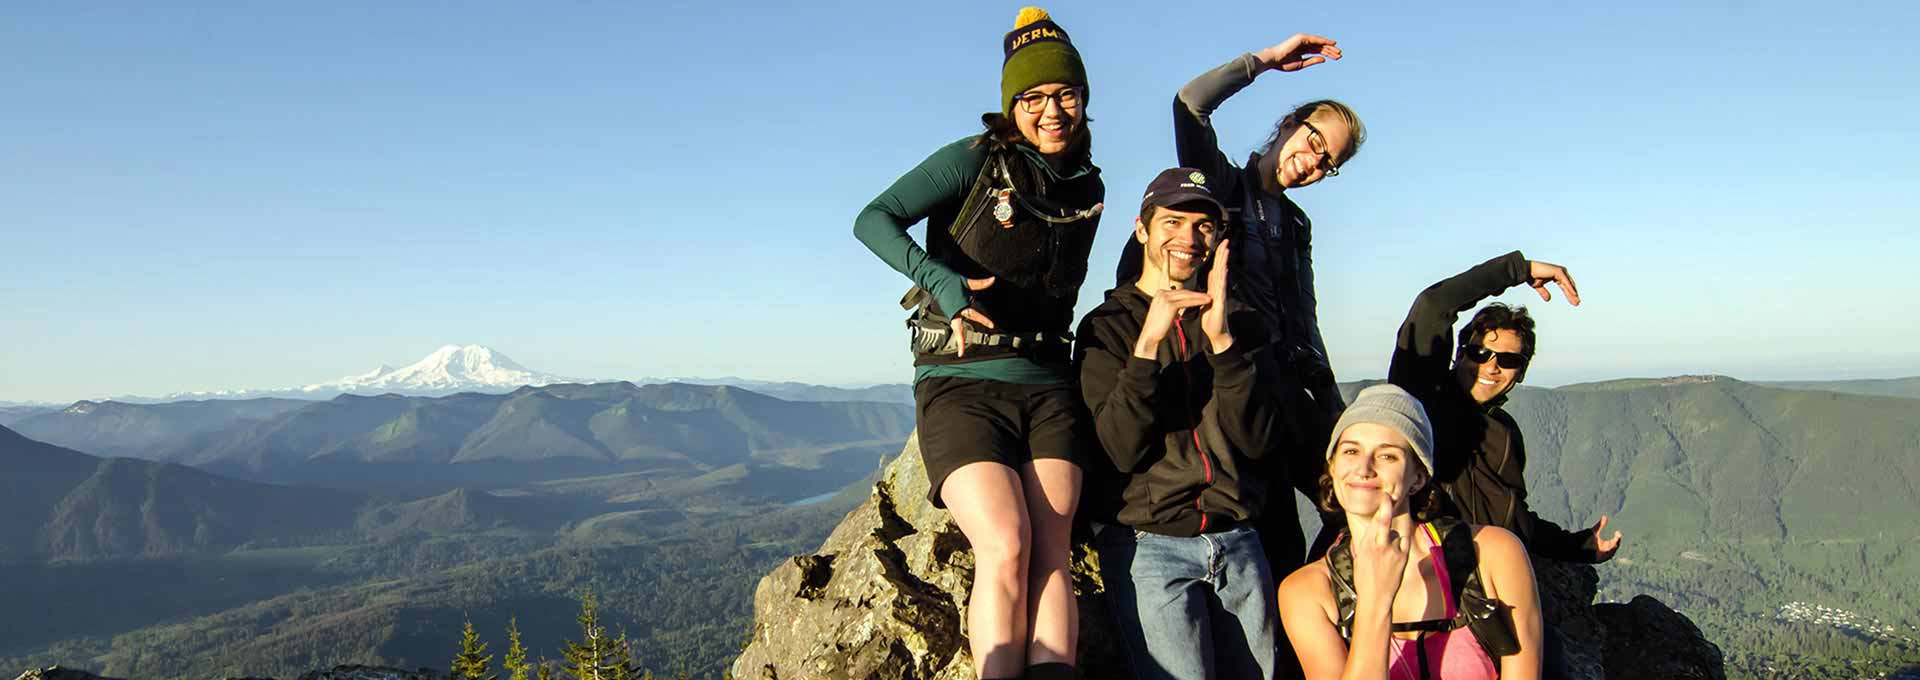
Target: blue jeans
x,y
1196,608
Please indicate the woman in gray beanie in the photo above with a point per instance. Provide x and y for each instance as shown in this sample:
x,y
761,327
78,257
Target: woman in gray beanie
x,y
1407,595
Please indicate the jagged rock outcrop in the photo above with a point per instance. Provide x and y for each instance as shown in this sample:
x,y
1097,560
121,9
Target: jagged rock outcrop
x,y
885,594
883,599
59,673
371,673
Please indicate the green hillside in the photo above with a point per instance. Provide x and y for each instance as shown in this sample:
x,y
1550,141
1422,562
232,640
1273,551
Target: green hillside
x,y
57,504
1744,505
679,585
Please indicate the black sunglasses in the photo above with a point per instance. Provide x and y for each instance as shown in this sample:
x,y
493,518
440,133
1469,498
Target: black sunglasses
x,y
1479,354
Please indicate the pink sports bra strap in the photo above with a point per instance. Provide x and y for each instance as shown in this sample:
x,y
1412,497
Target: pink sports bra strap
x,y
1440,568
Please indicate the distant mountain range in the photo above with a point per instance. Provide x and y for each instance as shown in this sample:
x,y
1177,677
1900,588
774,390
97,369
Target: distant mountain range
x,y
890,393
453,369
530,434
1908,388
114,428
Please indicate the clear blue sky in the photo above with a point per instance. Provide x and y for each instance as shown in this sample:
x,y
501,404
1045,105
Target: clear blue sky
x,y
261,194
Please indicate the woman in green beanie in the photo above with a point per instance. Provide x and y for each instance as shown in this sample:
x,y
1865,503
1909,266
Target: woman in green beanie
x,y
1011,213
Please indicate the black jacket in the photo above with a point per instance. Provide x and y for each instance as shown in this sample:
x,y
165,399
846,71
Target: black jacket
x,y
1480,456
1181,431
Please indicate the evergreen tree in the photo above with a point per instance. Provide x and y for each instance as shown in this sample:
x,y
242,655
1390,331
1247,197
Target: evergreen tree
x,y
544,671
471,663
516,661
593,657
622,667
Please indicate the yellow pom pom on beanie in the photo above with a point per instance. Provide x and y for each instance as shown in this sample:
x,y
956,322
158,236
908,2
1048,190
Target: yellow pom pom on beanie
x,y
1029,15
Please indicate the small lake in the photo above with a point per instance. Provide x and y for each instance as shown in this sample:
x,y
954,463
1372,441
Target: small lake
x,y
812,500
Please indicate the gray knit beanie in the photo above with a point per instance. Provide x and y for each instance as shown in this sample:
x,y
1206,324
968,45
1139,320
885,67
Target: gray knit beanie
x,y
1387,404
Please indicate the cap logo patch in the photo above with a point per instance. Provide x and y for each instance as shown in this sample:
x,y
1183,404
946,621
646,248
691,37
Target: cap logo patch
x,y
1197,178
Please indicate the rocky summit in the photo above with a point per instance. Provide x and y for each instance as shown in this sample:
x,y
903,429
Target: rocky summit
x,y
883,599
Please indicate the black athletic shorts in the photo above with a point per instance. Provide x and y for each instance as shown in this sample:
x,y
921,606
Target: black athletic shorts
x,y
969,420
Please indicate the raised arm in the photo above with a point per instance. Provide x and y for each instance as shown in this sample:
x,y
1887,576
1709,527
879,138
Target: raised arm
x,y
1423,351
1194,139
882,225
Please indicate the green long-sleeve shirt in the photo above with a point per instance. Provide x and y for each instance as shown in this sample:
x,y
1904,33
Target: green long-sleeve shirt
x,y
934,191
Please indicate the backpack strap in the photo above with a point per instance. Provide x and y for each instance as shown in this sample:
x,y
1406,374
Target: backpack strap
x,y
996,190
1340,577
1456,544
1491,624
1489,620
1340,574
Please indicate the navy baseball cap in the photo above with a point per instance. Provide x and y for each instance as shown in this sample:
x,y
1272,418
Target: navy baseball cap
x,y
1175,186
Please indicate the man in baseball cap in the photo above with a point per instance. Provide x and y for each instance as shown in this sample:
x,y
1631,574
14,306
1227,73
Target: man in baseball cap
x,y
1182,408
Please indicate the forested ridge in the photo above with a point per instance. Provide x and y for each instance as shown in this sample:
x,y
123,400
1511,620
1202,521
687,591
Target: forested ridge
x,y
1778,520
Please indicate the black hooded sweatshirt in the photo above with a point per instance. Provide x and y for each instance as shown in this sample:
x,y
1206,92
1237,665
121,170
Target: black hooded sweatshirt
x,y
1480,457
1180,431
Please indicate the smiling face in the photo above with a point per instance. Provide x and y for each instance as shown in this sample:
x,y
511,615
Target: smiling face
x,y
1311,152
1176,242
1371,463
1489,380
1055,123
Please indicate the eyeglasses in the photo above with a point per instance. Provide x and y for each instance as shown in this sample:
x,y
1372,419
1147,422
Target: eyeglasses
x,y
1069,98
1479,354
1317,143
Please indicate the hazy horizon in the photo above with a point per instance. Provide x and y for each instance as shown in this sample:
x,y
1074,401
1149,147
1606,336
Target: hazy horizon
x,y
198,394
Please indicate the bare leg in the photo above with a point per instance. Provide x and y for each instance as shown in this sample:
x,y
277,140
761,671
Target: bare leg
x,y
985,499
1053,493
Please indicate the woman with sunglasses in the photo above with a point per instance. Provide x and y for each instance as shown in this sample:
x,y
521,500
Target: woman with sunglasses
x,y
1272,237
1011,214
1405,593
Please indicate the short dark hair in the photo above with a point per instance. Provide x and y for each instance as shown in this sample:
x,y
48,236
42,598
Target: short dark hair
x,y
1500,317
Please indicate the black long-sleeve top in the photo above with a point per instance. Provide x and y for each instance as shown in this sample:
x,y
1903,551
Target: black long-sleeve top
x,y
1480,455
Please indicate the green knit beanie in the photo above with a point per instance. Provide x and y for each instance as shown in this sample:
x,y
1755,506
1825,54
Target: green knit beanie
x,y
1038,52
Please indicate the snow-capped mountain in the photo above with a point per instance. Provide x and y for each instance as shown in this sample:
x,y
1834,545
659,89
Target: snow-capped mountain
x,y
448,369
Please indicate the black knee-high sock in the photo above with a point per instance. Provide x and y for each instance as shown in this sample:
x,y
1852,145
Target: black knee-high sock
x,y
1050,671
